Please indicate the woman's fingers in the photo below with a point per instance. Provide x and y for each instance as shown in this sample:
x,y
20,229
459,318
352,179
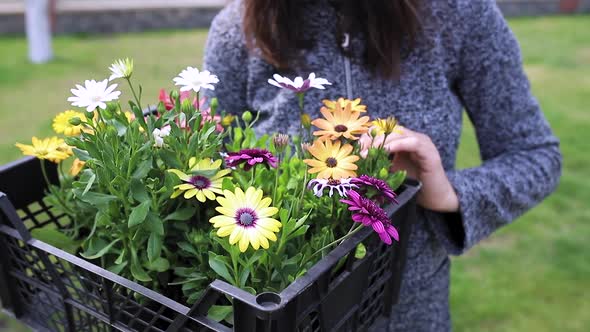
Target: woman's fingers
x,y
403,144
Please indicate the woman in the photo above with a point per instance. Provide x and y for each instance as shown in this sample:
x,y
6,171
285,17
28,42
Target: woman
x,y
422,62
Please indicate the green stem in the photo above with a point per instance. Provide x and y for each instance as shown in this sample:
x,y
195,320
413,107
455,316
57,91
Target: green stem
x,y
301,97
253,176
53,192
235,265
274,194
137,100
340,240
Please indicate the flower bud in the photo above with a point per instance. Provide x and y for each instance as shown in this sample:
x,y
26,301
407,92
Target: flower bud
x,y
161,108
112,107
280,142
174,95
383,173
214,103
75,121
187,106
306,121
374,132
296,140
373,153
247,117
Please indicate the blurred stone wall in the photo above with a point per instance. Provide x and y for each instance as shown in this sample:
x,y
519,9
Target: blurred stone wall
x,y
112,16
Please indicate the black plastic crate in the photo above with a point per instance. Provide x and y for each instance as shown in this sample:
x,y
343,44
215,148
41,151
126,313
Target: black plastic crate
x,y
51,290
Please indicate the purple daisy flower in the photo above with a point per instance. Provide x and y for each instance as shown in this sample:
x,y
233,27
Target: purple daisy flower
x,y
379,185
250,158
369,213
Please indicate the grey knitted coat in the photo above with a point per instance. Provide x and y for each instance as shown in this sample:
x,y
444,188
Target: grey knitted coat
x,y
468,59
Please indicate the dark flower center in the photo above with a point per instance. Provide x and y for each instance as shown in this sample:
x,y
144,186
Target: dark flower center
x,y
334,182
340,128
200,182
246,217
331,162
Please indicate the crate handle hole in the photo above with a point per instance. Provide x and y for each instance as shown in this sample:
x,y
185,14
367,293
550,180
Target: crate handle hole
x,y
268,299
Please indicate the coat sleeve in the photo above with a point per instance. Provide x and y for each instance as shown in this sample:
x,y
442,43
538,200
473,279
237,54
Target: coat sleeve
x,y
521,161
227,57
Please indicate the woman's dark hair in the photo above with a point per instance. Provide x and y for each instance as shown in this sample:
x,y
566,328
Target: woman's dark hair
x,y
389,27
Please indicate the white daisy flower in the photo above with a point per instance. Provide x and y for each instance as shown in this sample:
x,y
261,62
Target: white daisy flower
x,y
341,186
299,85
121,69
159,135
94,94
193,79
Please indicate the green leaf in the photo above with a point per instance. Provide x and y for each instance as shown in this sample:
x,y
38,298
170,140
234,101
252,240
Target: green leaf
x,y
244,277
89,184
155,224
182,214
220,312
249,290
218,265
121,257
138,191
299,232
154,246
56,238
139,273
93,198
188,248
142,169
101,252
284,215
170,159
100,219
139,214
160,264
81,154
360,252
117,268
302,220
227,184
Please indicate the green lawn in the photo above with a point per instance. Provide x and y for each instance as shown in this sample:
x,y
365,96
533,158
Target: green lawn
x,y
531,276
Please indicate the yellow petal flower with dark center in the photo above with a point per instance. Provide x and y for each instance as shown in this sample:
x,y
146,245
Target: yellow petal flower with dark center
x,y
332,161
340,123
62,125
341,103
246,217
53,149
204,181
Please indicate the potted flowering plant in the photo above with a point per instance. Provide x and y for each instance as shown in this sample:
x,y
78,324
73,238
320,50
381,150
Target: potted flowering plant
x,y
182,195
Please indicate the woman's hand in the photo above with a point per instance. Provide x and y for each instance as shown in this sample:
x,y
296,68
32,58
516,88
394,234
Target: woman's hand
x,y
415,153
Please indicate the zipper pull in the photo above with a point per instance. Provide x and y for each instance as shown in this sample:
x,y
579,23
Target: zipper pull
x,y
346,42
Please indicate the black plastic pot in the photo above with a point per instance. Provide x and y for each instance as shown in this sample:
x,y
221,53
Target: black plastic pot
x,y
51,290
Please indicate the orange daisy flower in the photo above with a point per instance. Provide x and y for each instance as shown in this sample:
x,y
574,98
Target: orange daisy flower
x,y
332,160
340,123
341,103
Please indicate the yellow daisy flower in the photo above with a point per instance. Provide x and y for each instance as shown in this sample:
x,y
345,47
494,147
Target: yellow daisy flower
x,y
62,125
332,160
204,181
387,126
53,149
341,103
77,166
340,123
246,218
